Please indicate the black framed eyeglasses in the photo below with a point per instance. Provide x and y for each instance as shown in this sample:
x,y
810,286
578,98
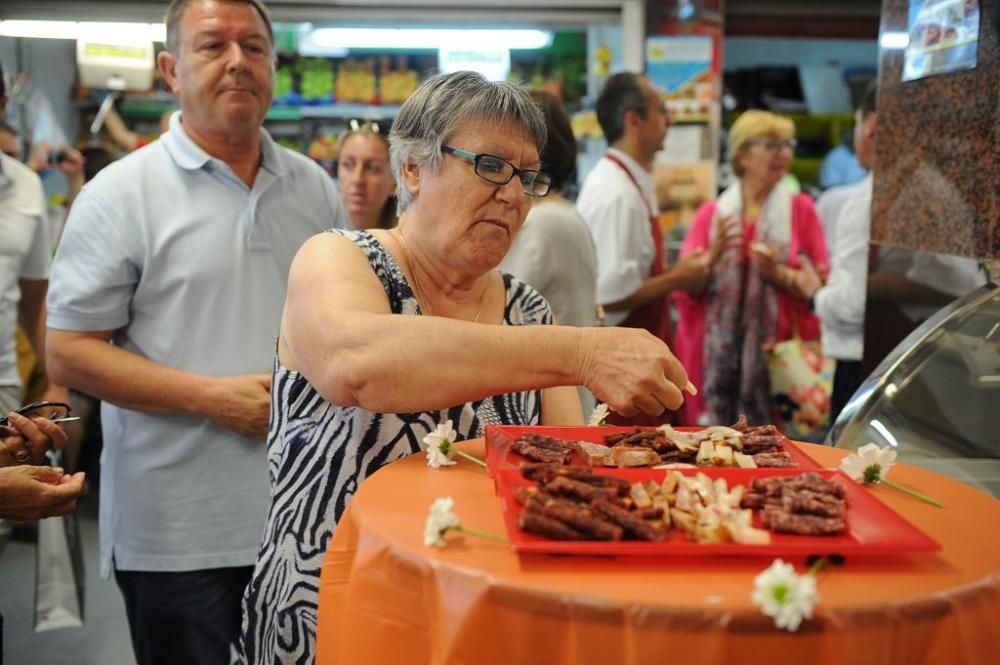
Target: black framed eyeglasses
x,y
499,171
57,412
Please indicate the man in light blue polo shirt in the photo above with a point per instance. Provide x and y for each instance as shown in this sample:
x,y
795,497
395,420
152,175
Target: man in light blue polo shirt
x,y
166,295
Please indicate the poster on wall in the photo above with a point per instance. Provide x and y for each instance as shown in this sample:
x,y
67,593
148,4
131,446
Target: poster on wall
x,y
682,67
943,37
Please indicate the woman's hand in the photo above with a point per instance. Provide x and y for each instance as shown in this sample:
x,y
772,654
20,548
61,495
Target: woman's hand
x,y
728,235
807,280
772,269
691,272
34,492
765,258
25,440
631,370
694,270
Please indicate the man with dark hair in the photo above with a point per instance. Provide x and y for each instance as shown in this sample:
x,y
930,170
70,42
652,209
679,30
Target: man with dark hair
x,y
618,202
167,292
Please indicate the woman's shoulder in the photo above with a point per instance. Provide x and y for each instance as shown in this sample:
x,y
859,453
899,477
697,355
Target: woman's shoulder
x,y
363,239
804,210
554,220
804,203
702,220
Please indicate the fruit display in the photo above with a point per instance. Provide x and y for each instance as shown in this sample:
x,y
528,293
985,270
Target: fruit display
x,y
356,81
323,147
396,84
316,80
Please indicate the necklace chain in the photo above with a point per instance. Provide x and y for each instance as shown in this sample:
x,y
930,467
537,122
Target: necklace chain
x,y
420,290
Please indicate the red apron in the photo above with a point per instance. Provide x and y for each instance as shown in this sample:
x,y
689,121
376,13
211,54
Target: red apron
x,y
654,316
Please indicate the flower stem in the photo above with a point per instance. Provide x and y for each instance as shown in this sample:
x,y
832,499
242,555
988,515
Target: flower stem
x,y
913,493
481,534
471,458
817,566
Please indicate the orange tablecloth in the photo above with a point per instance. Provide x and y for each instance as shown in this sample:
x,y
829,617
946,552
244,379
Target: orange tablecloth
x,y
385,598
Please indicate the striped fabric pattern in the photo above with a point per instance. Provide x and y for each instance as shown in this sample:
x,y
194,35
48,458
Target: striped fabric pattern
x,y
319,452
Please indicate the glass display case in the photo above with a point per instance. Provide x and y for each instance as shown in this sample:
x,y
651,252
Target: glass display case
x,y
936,398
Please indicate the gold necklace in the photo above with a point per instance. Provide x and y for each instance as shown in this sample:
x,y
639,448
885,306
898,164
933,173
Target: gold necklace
x,y
422,296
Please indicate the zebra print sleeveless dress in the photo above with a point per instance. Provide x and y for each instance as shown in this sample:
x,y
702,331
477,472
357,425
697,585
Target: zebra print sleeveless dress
x,y
318,453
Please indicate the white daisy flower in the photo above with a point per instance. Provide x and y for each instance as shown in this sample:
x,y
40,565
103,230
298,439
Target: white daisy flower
x,y
784,595
439,444
869,464
440,518
598,415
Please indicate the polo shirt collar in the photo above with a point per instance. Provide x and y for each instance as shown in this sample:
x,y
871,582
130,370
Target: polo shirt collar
x,y
190,156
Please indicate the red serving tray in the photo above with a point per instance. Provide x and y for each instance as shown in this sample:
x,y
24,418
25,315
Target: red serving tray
x,y
872,527
500,438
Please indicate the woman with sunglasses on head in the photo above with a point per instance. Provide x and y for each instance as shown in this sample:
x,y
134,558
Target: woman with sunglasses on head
x,y
388,333
366,182
751,296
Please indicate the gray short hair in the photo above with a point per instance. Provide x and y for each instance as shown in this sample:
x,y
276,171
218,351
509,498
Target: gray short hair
x,y
176,10
444,104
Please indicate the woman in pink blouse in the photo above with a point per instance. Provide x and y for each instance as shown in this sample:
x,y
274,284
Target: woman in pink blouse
x,y
759,229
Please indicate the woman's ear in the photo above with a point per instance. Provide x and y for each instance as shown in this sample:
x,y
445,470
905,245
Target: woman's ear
x,y
411,177
738,159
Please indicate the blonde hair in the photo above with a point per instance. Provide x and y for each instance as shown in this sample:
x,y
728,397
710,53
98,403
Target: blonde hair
x,y
751,126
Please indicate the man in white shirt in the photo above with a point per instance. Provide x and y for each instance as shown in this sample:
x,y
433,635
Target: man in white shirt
x,y
840,305
619,204
923,279
24,270
166,296
26,491
829,206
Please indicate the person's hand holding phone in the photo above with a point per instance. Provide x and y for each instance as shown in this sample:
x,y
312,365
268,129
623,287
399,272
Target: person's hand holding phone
x,y
26,434
45,157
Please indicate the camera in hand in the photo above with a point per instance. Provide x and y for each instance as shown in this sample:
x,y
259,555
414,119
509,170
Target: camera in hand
x,y
57,157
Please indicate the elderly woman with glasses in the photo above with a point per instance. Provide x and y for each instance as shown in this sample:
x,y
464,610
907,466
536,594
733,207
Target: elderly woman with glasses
x,y
388,333
763,231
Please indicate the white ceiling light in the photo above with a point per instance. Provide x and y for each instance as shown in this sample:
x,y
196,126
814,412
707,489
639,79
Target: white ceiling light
x,y
894,40
155,32
420,38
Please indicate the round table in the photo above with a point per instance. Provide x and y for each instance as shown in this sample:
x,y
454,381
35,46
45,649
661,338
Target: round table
x,y
386,598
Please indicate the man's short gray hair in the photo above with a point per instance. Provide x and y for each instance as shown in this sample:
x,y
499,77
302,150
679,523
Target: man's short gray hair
x,y
176,10
444,104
